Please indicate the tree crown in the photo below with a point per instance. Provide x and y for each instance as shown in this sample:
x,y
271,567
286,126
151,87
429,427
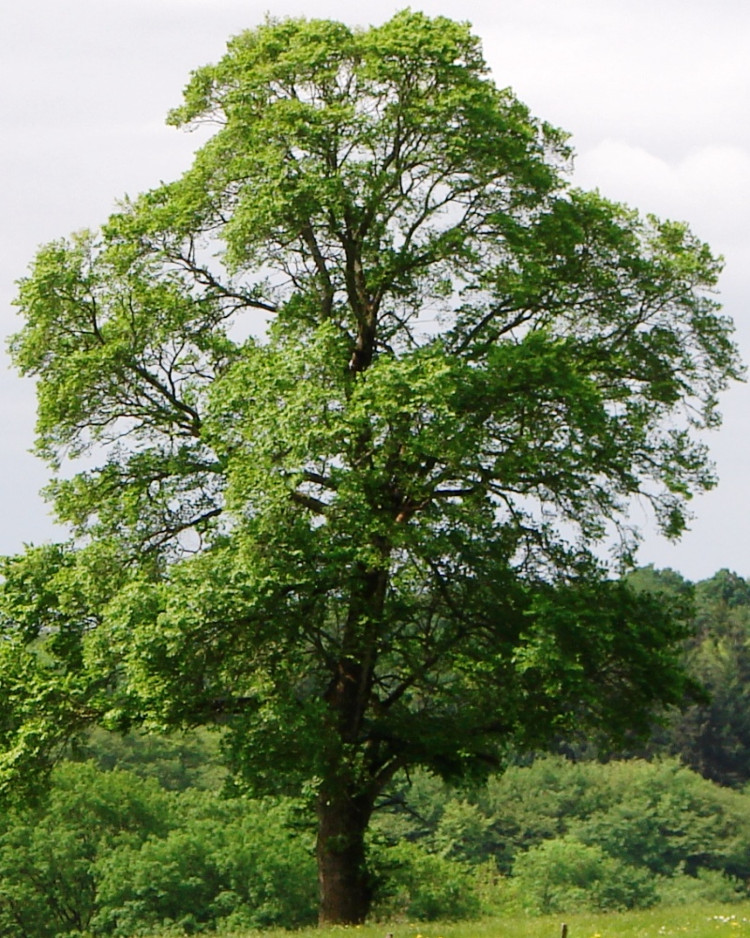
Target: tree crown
x,y
360,395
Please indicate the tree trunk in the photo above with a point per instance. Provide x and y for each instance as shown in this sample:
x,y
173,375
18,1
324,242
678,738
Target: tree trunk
x,y
347,795
345,891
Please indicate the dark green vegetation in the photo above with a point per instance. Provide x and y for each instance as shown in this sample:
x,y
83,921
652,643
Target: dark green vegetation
x,y
159,849
713,738
364,539
111,853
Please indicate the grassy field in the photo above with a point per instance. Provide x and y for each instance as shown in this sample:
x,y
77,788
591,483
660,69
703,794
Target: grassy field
x,y
698,921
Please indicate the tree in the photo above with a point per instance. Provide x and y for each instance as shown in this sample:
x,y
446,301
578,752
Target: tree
x,y
49,855
714,738
712,735
359,397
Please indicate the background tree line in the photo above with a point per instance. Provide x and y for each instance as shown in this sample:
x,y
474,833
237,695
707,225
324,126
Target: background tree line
x,y
712,737
137,835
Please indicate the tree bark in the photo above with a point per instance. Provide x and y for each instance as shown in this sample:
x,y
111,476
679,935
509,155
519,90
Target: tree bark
x,y
347,794
345,889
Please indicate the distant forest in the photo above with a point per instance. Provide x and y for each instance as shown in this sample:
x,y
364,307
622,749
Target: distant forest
x,y
712,737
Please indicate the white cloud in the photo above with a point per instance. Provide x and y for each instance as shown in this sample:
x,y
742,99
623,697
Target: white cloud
x,y
709,187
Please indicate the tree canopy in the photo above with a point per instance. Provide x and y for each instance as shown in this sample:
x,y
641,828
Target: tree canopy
x,y
711,736
356,402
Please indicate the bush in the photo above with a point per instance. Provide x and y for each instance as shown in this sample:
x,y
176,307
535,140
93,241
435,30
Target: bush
x,y
420,886
705,886
665,818
48,854
230,864
564,875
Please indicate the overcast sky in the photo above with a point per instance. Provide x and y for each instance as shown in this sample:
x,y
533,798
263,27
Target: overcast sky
x,y
656,95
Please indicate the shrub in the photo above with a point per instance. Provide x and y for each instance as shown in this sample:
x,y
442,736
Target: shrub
x,y
564,875
416,885
705,886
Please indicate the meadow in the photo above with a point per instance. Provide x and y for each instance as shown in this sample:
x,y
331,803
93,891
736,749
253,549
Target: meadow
x,y
701,920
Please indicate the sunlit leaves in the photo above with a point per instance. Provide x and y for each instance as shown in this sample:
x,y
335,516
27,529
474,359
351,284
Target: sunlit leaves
x,y
363,398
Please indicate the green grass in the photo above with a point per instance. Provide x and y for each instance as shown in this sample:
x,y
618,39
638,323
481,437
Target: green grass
x,y
696,921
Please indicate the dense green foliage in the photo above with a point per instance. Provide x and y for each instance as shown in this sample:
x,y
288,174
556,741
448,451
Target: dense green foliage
x,y
359,398
109,853
559,836
178,762
112,853
712,737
